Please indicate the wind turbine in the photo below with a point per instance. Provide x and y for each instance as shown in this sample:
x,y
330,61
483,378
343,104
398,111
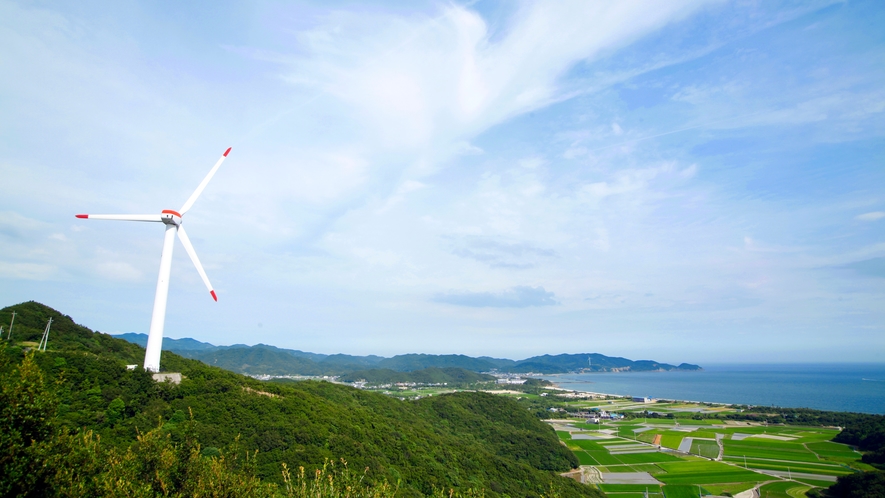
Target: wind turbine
x,y
173,222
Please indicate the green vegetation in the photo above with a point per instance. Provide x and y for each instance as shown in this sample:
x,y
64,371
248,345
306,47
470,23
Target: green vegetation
x,y
450,376
76,422
89,424
863,485
772,454
708,449
683,491
775,450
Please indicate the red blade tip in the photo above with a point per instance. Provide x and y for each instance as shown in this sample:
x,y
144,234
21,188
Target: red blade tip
x,y
227,151
213,295
84,216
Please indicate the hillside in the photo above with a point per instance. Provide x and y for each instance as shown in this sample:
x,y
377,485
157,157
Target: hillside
x,y
270,360
432,375
461,441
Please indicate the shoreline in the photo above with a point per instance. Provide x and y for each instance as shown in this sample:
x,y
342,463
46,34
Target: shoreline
x,y
845,391
671,400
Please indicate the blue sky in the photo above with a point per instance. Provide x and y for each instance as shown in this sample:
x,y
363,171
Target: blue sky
x,y
690,180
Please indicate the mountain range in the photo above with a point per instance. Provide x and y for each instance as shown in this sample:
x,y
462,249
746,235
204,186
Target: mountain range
x,y
263,359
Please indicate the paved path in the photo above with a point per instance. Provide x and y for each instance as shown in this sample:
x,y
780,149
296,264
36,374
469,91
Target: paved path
x,y
685,445
795,475
629,478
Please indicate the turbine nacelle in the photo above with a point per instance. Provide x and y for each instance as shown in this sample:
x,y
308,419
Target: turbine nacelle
x,y
170,217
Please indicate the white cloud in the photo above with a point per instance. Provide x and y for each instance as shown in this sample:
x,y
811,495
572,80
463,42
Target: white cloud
x,y
871,216
465,148
26,271
517,297
116,270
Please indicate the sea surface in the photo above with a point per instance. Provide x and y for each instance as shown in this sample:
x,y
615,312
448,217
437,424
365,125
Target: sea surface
x,y
857,387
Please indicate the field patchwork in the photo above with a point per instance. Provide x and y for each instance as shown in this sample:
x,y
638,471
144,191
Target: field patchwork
x,y
666,460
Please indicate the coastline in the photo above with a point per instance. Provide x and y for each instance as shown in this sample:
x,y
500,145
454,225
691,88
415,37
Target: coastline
x,y
600,394
827,387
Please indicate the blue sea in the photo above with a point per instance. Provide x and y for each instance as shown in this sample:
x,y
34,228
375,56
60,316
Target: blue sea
x,y
837,387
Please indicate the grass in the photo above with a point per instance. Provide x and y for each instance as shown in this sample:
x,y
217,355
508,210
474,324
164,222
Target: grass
x,y
784,489
810,452
632,458
648,467
688,421
829,449
584,458
774,450
707,449
604,457
827,470
672,439
705,472
815,482
565,436
711,478
683,491
586,444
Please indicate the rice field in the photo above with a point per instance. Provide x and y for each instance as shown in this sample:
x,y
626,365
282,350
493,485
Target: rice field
x,y
753,456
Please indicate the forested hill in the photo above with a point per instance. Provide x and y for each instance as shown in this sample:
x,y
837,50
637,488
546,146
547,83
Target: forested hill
x,y
271,360
206,430
432,375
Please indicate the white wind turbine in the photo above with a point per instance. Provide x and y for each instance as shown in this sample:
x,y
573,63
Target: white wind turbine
x,y
173,222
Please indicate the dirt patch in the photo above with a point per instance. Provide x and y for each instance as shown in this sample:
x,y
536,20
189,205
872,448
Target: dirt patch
x,y
262,393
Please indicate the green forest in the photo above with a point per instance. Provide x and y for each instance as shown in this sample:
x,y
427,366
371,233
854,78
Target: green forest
x,y
77,422
447,376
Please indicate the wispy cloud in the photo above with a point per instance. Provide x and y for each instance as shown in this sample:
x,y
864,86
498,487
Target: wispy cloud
x,y
497,254
871,216
517,297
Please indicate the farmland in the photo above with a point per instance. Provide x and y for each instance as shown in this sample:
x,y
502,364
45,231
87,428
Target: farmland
x,y
685,457
674,449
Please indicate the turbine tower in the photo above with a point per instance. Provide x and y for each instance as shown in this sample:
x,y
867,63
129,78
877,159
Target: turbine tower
x,y
173,221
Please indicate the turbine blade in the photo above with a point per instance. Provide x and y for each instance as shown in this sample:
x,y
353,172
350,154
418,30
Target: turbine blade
x,y
122,217
186,242
193,197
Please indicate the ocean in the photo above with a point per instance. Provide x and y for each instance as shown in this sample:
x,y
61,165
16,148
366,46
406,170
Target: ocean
x,y
838,387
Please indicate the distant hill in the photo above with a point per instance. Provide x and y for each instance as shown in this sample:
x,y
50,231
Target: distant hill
x,y
412,362
462,441
592,362
271,360
433,375
186,344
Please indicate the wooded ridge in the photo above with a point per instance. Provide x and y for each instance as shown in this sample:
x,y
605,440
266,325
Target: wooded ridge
x,y
271,360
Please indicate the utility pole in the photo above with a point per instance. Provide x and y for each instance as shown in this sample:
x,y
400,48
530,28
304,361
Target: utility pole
x,y
10,326
44,341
